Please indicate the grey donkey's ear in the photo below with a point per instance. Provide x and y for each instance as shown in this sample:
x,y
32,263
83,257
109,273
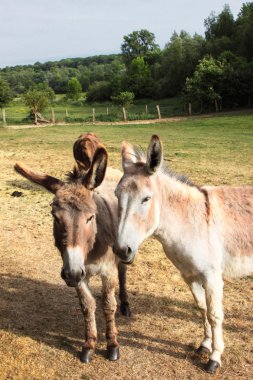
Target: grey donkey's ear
x,y
96,173
154,154
48,182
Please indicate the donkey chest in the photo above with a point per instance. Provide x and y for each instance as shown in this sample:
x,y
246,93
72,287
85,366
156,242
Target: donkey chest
x,y
99,268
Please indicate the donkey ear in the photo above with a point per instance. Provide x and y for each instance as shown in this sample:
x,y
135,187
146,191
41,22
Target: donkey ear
x,y
96,173
154,154
50,183
130,155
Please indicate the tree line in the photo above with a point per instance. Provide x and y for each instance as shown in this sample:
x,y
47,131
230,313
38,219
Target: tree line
x,y
214,70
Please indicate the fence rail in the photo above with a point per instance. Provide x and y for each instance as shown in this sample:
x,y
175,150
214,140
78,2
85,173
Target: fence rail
x,y
90,114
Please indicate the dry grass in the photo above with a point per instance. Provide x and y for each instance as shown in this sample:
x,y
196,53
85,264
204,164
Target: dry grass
x,y
41,324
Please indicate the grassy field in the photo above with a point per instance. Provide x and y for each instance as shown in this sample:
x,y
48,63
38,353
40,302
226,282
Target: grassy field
x,y
41,324
17,112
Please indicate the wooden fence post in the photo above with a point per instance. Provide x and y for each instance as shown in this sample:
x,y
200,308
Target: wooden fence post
x,y
93,115
146,108
190,109
53,116
158,112
4,117
124,113
107,111
67,114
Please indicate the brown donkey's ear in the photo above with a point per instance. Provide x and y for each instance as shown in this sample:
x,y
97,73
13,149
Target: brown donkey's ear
x,y
154,154
50,183
96,173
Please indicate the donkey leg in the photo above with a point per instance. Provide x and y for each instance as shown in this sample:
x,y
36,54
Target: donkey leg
x,y
214,294
198,293
123,296
110,306
88,306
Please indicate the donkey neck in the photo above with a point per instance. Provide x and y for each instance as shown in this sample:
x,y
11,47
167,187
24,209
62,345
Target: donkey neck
x,y
183,209
106,219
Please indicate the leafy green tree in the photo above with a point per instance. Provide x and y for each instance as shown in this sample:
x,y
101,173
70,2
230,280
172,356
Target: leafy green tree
x,y
74,89
138,78
37,100
203,88
139,44
220,32
244,31
178,62
236,86
99,92
123,99
48,90
221,25
5,93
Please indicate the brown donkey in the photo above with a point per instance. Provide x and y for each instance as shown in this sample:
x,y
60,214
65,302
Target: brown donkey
x,y
85,224
206,232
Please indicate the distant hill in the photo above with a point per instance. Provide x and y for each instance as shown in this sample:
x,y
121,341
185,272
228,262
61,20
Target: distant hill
x,y
57,73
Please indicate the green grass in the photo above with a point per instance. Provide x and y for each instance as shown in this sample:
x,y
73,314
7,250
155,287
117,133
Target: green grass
x,y
215,150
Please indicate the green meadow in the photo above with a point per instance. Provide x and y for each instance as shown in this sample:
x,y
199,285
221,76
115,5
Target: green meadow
x,y
210,150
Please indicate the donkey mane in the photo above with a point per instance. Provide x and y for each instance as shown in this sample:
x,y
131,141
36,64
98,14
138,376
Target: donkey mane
x,y
74,176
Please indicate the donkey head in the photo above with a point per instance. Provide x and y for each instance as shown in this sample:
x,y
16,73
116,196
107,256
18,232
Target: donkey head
x,y
138,199
74,212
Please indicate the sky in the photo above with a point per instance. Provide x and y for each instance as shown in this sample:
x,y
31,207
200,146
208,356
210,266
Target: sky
x,y
47,30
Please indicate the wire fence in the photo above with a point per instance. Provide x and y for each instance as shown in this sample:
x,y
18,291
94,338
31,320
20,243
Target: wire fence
x,y
71,114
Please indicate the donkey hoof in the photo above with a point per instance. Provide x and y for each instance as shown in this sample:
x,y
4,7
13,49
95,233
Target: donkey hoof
x,y
203,352
113,353
212,366
125,310
86,355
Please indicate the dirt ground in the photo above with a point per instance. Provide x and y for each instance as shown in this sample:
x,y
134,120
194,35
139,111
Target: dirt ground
x,y
41,325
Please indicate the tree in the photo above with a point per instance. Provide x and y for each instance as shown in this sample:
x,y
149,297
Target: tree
x,y
244,31
236,87
74,89
139,44
37,100
99,92
220,32
123,99
5,93
221,25
178,62
138,78
48,90
203,88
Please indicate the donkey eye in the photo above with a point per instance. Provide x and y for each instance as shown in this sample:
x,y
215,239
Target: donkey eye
x,y
145,200
90,218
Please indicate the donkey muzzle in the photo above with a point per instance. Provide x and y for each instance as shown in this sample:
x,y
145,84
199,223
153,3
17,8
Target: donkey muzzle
x,y
73,277
126,254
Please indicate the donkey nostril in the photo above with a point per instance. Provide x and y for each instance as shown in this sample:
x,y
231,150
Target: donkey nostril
x,y
129,251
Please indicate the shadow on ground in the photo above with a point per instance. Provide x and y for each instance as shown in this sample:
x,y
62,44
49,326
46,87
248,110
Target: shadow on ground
x,y
50,314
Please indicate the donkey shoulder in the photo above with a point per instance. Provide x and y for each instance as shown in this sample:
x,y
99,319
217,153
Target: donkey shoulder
x,y
232,215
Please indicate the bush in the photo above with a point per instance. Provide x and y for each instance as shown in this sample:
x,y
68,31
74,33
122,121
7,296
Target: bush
x,y
99,92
